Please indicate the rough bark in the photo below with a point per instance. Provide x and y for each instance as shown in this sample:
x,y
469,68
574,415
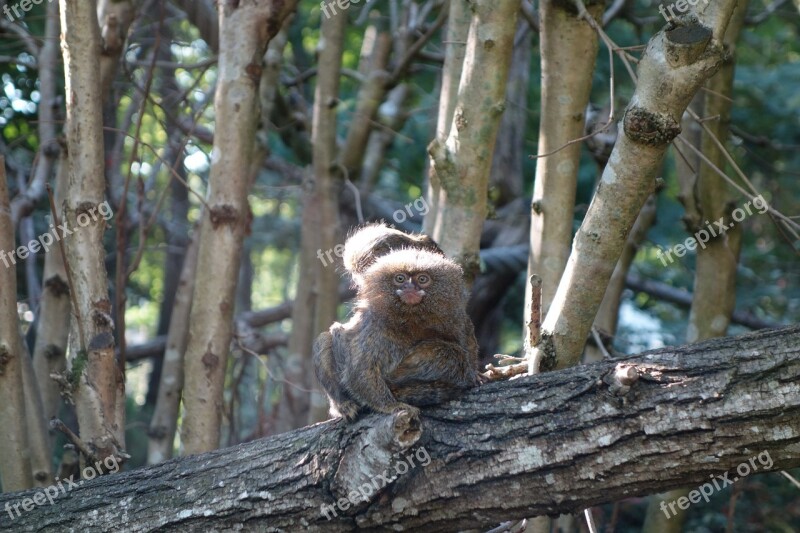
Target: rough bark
x,y
94,381
674,66
462,162
245,31
15,461
558,441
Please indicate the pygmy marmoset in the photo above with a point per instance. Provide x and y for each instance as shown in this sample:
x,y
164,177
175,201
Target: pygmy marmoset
x,y
409,342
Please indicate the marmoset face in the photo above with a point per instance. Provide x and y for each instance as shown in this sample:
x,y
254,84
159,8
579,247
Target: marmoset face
x,y
411,286
416,283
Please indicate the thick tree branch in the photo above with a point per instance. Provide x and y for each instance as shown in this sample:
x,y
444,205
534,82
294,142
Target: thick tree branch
x,y
560,441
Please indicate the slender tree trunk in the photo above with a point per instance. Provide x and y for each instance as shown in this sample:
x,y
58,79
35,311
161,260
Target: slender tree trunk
x,y
506,180
35,423
317,288
462,162
392,118
715,279
679,60
163,425
608,314
15,460
245,31
47,72
96,384
458,22
457,470
569,48
509,150
50,349
370,96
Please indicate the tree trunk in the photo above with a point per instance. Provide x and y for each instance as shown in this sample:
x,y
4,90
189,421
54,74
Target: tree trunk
x,y
459,18
35,423
96,385
52,335
558,441
509,149
569,49
673,67
164,423
15,461
316,301
608,314
462,162
245,31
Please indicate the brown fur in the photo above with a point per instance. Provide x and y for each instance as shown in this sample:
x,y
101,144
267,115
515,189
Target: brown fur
x,y
372,241
393,355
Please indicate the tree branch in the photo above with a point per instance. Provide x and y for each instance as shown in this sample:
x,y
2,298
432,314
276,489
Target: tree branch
x,y
560,441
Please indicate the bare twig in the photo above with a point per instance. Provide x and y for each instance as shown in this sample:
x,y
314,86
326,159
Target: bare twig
x,y
496,373
58,425
791,479
600,344
613,11
417,46
355,191
534,325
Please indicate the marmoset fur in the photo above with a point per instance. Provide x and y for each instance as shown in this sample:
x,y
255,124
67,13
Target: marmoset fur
x,y
409,342
372,241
